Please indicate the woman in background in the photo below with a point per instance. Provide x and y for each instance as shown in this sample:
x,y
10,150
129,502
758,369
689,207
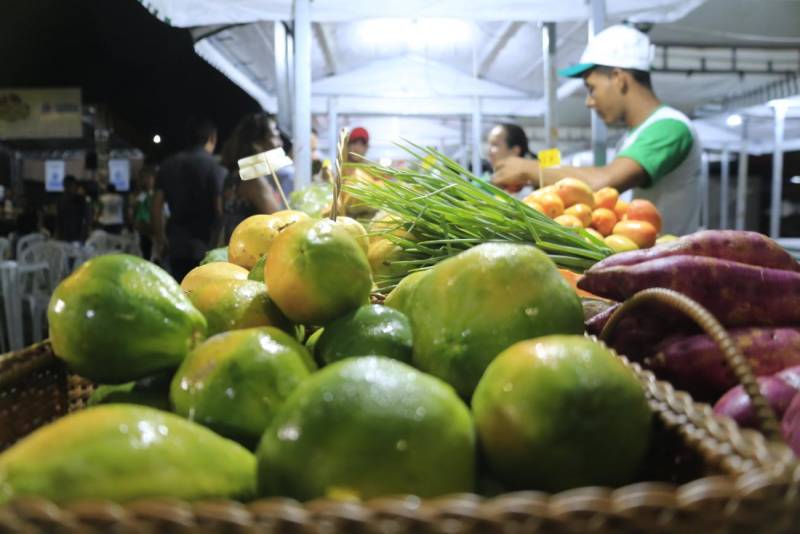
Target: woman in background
x,y
507,140
255,133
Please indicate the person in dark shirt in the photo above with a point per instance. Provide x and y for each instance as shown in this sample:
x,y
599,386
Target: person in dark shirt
x,y
190,183
74,213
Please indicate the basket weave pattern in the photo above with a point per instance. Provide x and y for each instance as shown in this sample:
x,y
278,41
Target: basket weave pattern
x,y
750,483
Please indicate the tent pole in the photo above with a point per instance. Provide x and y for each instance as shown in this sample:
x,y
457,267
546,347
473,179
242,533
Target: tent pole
x,y
333,130
779,111
282,78
464,157
704,194
476,136
741,182
549,64
302,93
725,180
597,22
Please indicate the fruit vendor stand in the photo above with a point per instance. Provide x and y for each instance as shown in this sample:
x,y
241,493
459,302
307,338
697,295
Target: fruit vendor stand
x,y
263,393
427,354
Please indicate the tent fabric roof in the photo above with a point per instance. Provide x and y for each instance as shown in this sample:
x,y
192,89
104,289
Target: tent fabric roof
x,y
189,13
382,69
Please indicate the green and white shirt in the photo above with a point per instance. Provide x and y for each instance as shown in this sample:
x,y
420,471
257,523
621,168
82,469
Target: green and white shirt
x,y
667,148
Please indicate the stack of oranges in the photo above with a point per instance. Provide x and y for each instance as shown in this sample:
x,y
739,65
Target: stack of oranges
x,y
621,225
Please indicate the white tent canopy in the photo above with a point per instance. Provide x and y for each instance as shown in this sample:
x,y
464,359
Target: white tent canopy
x,y
189,13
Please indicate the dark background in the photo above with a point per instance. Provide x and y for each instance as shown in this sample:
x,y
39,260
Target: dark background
x,y
144,72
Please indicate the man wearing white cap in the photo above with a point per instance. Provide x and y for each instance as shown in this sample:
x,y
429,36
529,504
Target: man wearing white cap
x,y
660,153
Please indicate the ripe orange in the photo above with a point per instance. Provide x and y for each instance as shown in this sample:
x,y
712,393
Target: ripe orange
x,y
620,243
620,208
603,220
551,203
606,198
570,221
573,191
640,232
643,210
582,211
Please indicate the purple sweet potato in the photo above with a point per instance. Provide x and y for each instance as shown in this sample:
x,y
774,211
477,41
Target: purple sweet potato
x,y
791,376
790,425
696,363
751,248
737,294
736,403
642,329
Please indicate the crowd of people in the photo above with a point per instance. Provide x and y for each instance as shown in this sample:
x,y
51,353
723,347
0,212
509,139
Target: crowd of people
x,y
194,200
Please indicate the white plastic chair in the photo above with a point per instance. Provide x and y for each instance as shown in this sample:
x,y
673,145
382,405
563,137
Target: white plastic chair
x,y
40,268
101,242
27,240
5,249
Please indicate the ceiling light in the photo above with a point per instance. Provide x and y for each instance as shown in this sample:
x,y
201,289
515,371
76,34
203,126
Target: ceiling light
x,y
734,120
795,179
156,139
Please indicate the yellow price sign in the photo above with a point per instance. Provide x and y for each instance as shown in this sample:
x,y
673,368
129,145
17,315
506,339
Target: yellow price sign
x,y
549,158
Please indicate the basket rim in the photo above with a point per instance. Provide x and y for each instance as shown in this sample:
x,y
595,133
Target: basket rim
x,y
756,470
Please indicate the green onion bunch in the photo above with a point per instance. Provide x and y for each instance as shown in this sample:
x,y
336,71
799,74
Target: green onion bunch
x,y
448,210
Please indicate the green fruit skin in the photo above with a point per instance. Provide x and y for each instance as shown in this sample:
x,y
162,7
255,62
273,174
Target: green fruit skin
x,y
472,306
244,304
368,426
215,255
371,330
561,412
119,318
122,452
332,273
401,296
150,391
257,272
234,382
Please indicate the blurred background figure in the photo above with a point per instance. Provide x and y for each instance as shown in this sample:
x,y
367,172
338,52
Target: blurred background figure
x,y
190,183
358,146
111,209
508,140
255,133
74,212
141,207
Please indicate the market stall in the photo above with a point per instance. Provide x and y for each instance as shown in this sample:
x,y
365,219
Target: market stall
x,y
424,351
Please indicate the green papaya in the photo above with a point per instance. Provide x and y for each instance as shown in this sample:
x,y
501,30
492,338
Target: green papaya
x,y
235,381
150,391
122,452
214,255
118,318
257,272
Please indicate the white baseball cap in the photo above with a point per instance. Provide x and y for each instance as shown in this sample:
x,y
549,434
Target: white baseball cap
x,y
616,46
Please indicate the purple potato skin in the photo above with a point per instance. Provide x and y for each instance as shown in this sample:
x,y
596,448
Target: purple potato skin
x,y
736,403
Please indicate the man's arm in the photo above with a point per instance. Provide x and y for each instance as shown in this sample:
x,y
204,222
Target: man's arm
x,y
621,174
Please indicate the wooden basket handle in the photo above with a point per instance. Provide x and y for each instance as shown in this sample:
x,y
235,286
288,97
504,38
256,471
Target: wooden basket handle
x,y
705,320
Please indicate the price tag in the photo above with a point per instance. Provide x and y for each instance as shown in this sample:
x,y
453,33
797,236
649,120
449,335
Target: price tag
x,y
549,158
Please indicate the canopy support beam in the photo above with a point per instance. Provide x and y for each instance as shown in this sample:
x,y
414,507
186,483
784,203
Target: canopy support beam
x,y
724,190
549,55
497,46
324,40
302,93
741,181
705,204
779,111
476,136
333,130
597,21
282,86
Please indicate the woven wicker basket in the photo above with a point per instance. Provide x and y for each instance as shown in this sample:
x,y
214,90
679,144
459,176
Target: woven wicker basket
x,y
703,474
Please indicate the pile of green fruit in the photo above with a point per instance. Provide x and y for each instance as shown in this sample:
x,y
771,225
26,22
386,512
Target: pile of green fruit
x,y
271,374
